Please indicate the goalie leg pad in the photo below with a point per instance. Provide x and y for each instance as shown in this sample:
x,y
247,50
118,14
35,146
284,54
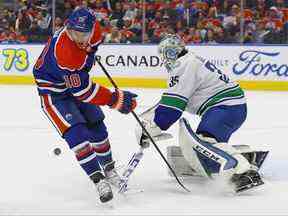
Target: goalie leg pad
x,y
255,156
207,158
178,163
182,168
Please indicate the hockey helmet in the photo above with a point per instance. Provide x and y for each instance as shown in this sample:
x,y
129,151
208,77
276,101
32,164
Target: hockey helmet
x,y
80,23
170,47
81,20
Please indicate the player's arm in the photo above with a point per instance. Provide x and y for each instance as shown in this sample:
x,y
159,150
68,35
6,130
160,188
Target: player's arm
x,y
173,102
85,90
171,106
74,67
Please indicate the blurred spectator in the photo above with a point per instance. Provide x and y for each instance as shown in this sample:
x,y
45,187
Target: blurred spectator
x,y
43,21
114,36
35,33
210,37
130,10
22,23
58,23
197,21
118,13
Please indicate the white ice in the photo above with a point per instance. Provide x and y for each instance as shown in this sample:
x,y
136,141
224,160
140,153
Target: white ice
x,y
34,181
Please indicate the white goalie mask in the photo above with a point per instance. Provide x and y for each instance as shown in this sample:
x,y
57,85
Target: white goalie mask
x,y
169,49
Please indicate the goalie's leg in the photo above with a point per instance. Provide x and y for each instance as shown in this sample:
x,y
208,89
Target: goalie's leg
x,y
210,159
255,156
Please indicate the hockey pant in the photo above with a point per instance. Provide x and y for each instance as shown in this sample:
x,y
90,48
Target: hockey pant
x,y
222,121
82,126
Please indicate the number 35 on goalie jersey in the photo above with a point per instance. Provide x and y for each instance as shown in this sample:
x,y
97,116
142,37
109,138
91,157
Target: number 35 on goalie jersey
x,y
194,83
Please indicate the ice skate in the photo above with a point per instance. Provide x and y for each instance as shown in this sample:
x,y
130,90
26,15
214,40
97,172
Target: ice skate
x,y
103,187
246,181
111,175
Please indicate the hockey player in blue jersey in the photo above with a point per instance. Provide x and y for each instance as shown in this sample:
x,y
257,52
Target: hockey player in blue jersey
x,y
198,87
72,101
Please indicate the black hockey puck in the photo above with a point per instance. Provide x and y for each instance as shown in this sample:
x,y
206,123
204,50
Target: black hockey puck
x,y
57,151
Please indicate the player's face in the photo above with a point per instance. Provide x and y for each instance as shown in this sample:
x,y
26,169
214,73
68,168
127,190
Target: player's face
x,y
80,38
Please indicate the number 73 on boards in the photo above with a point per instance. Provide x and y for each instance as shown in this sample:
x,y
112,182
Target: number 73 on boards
x,y
14,57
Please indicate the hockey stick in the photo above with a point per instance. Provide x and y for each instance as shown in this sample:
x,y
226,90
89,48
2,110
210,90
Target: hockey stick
x,y
132,164
143,128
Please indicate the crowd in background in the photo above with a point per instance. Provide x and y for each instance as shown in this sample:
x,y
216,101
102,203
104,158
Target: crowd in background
x,y
206,21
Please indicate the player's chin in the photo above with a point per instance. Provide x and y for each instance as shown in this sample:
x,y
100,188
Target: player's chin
x,y
82,45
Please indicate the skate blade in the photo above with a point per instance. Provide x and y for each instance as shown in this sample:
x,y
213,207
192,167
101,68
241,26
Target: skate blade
x,y
250,188
128,191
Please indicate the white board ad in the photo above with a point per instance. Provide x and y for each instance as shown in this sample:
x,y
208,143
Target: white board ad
x,y
240,62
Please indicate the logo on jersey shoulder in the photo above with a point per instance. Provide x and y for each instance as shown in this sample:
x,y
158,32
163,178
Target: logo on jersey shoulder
x,y
173,81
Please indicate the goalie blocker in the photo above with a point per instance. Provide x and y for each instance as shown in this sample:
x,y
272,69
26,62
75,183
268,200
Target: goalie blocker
x,y
205,158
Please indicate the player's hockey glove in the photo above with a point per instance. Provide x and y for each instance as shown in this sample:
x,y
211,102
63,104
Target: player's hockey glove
x,y
123,101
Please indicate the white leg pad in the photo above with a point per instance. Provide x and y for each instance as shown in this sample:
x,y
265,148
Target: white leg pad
x,y
242,164
209,158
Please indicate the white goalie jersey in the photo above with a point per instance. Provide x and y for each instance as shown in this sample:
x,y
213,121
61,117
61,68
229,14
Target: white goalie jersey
x,y
195,85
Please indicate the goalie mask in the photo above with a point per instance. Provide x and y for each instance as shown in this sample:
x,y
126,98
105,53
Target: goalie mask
x,y
169,49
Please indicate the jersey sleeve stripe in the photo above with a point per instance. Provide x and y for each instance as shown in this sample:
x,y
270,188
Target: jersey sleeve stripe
x,y
55,87
176,95
58,90
48,82
94,90
85,90
173,101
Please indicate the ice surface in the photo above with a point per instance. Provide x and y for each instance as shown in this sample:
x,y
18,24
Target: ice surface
x,y
34,181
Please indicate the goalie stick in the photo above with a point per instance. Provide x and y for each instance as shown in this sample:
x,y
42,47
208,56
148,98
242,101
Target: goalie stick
x,y
132,164
143,128
134,161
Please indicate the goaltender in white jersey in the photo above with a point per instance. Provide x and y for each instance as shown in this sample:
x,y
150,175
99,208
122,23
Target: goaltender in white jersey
x,y
199,87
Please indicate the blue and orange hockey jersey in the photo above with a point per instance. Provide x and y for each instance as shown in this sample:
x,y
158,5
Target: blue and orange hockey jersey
x,y
63,67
